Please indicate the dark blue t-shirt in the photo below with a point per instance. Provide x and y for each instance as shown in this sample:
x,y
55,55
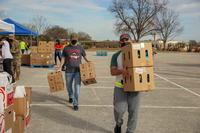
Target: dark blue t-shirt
x,y
73,55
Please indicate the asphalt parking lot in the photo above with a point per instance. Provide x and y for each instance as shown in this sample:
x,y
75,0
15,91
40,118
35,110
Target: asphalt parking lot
x,y
173,107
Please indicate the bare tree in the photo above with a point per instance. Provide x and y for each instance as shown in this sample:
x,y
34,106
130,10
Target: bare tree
x,y
40,24
84,36
136,16
56,32
168,25
30,26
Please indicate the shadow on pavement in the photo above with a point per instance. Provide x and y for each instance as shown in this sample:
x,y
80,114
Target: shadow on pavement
x,y
64,118
42,97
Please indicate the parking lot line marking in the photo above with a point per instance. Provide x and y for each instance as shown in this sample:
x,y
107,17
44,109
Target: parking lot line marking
x,y
101,87
111,106
104,87
170,107
95,94
188,90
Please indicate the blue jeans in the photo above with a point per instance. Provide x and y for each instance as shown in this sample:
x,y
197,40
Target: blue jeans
x,y
73,92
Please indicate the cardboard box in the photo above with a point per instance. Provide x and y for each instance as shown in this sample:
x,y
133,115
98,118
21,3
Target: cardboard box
x,y
7,94
10,99
137,55
36,62
51,44
42,62
25,59
44,48
20,106
56,82
88,74
29,94
27,119
34,49
9,117
139,79
41,56
2,123
19,125
42,43
3,99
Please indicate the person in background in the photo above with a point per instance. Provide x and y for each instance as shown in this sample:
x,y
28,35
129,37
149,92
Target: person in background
x,y
58,49
71,57
123,100
23,46
16,63
7,56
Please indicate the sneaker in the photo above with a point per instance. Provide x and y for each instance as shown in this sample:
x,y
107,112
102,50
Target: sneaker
x,y
75,108
117,129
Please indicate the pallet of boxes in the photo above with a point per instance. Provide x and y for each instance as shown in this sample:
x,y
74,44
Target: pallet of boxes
x,y
88,74
138,61
14,108
42,55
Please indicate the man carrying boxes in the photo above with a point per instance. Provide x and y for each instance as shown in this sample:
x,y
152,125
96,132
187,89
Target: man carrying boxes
x,y
130,80
71,56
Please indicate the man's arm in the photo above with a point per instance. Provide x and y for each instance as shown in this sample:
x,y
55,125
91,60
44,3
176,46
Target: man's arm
x,y
86,59
61,64
115,71
1,43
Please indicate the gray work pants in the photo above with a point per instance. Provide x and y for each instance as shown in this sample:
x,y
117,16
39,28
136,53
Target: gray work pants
x,y
122,102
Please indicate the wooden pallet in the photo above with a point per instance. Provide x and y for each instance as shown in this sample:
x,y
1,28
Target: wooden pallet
x,y
41,66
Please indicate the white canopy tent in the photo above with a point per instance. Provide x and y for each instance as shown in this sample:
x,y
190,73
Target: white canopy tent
x,y
6,27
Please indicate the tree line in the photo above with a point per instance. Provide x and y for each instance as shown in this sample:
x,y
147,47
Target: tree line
x,y
141,18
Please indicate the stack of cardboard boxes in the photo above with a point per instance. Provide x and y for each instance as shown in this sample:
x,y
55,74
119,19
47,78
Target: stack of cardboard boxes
x,y
42,55
14,112
88,74
22,111
7,100
56,82
138,61
1,64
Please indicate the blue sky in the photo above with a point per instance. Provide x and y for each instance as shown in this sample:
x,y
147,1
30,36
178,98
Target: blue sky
x,y
93,17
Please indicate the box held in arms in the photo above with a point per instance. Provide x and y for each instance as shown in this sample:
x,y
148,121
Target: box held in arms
x,y
139,79
88,74
56,82
137,55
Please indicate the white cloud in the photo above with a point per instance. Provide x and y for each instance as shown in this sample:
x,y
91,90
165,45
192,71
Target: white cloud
x,y
53,5
186,7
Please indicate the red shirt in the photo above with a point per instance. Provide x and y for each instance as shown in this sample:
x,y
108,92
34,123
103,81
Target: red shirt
x,y
58,46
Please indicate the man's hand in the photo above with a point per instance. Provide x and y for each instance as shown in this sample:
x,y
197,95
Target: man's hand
x,y
58,68
125,72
